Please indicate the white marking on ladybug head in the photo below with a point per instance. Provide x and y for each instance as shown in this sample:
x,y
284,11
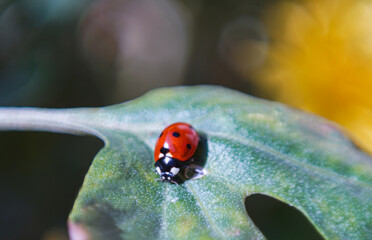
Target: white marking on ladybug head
x,y
161,155
166,145
174,171
167,160
169,154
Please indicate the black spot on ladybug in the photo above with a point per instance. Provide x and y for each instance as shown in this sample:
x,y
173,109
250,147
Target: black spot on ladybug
x,y
161,134
188,146
164,150
176,134
191,127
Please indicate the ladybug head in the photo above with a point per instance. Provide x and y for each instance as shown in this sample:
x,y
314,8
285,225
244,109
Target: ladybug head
x,y
167,176
167,168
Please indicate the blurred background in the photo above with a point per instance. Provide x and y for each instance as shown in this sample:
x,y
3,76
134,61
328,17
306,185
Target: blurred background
x,y
312,54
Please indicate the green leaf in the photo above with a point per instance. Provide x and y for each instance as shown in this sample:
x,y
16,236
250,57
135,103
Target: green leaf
x,y
253,146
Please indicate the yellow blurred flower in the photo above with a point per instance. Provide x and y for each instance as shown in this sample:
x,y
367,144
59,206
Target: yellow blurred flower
x,y
320,60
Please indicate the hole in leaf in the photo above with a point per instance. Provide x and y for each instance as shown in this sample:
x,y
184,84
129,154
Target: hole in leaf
x,y
278,220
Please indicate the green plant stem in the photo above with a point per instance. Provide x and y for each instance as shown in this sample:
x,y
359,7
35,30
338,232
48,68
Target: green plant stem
x,y
50,120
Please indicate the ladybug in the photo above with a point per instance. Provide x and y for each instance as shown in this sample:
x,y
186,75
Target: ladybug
x,y
175,146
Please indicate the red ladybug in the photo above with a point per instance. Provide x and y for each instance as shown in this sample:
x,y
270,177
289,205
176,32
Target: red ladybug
x,y
176,144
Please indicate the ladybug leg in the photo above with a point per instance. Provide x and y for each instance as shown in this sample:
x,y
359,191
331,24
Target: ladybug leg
x,y
173,182
195,170
195,173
